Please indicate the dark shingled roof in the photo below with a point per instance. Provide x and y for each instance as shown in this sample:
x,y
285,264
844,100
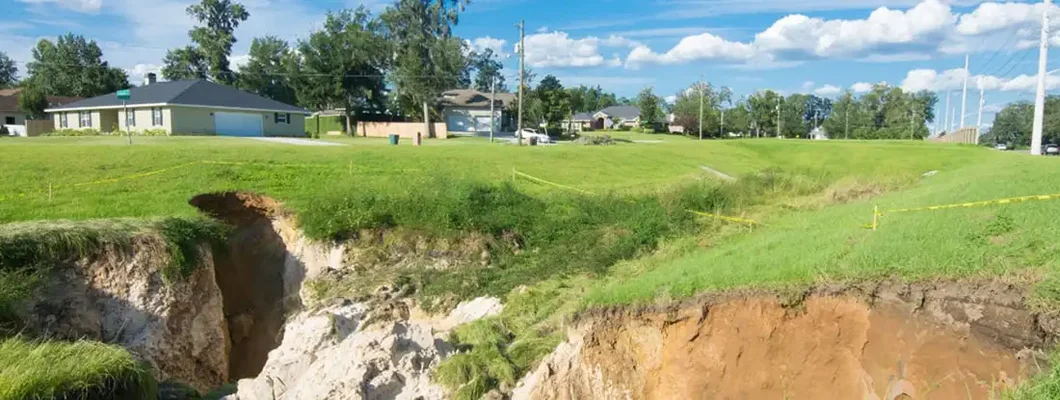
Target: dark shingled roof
x,y
189,93
624,112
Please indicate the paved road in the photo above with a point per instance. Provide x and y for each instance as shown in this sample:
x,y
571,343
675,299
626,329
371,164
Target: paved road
x,y
295,141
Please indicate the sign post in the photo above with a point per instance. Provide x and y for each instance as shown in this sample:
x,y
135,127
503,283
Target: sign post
x,y
124,96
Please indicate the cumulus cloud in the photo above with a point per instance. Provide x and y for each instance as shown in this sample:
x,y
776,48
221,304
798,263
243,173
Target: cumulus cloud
x,y
558,49
85,6
138,72
827,90
861,87
705,46
953,79
488,42
927,29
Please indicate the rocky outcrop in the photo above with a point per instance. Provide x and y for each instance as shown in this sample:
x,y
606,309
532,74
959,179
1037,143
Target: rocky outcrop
x,y
119,296
340,353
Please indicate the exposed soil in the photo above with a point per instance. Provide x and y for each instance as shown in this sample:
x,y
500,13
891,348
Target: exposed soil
x,y
250,274
946,340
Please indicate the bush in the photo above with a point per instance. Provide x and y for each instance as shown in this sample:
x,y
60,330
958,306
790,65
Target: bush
x,y
152,132
74,132
4,131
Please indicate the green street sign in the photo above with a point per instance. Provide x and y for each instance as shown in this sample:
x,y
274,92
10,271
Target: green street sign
x,y
123,94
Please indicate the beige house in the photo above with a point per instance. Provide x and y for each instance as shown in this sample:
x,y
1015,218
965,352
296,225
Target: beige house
x,y
196,107
16,121
467,111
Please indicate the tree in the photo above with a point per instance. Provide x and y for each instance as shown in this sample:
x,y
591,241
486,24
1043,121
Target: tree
x,y
687,106
554,105
184,64
1013,124
341,65
73,66
429,60
793,116
488,72
33,102
266,71
837,122
8,71
764,107
215,39
650,111
817,109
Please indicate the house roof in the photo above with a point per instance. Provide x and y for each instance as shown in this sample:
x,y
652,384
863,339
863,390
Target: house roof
x,y
624,112
9,100
582,117
473,98
196,93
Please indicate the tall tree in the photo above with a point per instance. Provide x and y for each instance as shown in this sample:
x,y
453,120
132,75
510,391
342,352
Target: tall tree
x,y
73,66
1012,124
764,107
488,72
215,39
686,109
185,63
837,122
8,71
266,73
793,116
650,108
33,102
553,102
429,60
817,110
342,64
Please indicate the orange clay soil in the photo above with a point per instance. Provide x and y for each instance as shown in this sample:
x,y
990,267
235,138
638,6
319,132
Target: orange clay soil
x,y
922,341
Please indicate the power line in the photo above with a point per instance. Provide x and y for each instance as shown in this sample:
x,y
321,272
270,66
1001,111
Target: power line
x,y
1005,45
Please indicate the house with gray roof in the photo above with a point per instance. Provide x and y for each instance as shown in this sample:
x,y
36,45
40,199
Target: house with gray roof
x,y
193,107
467,111
609,118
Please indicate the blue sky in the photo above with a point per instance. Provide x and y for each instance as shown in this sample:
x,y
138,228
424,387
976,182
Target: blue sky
x,y
815,46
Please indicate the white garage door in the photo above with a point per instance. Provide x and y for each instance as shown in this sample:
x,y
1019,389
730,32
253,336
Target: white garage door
x,y
238,124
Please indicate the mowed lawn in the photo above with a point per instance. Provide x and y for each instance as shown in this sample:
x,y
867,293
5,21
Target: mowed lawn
x,y
99,177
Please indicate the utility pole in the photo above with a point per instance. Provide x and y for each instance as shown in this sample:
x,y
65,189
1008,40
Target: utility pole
x,y
701,108
426,120
982,102
721,131
522,53
1039,99
493,101
964,93
949,114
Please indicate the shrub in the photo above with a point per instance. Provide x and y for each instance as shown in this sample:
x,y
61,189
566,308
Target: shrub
x,y
74,132
152,132
4,131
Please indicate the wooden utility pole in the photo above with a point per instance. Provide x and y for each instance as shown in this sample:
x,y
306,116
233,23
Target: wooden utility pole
x,y
493,101
522,57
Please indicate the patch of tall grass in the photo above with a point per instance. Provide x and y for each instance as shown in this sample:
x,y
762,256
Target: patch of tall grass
x,y
80,370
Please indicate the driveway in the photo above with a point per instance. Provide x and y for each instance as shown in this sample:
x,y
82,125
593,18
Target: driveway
x,y
295,141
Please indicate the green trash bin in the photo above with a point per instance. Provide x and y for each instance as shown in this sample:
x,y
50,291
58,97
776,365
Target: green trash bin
x,y
394,140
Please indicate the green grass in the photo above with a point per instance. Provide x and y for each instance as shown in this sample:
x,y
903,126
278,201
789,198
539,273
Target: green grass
x,y
31,370
829,244
29,251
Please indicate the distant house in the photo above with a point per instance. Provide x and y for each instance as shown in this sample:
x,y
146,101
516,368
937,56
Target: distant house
x,y
467,111
819,133
608,118
184,107
14,119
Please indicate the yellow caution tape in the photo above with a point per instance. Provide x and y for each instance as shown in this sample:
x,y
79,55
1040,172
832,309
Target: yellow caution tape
x,y
539,180
725,218
1010,200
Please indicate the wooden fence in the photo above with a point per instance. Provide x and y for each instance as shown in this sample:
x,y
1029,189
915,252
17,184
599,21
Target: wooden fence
x,y
402,129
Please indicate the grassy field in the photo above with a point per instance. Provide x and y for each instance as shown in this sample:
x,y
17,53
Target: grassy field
x,y
624,236
77,370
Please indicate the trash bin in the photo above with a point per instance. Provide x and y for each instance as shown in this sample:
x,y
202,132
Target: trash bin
x,y
393,140
533,140
418,140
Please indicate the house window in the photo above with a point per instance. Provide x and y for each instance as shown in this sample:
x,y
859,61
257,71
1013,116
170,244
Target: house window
x,y
84,119
282,118
156,116
62,121
130,117
9,120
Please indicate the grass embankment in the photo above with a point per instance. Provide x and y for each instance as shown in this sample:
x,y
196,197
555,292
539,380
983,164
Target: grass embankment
x,y
73,370
565,242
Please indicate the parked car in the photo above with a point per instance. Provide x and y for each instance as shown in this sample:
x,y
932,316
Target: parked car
x,y
1052,150
527,133
1001,146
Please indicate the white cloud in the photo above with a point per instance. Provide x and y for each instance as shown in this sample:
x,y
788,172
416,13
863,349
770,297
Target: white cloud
x,y
138,72
705,46
670,99
861,87
488,42
85,6
557,49
238,61
990,17
953,79
827,91
542,29
807,86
